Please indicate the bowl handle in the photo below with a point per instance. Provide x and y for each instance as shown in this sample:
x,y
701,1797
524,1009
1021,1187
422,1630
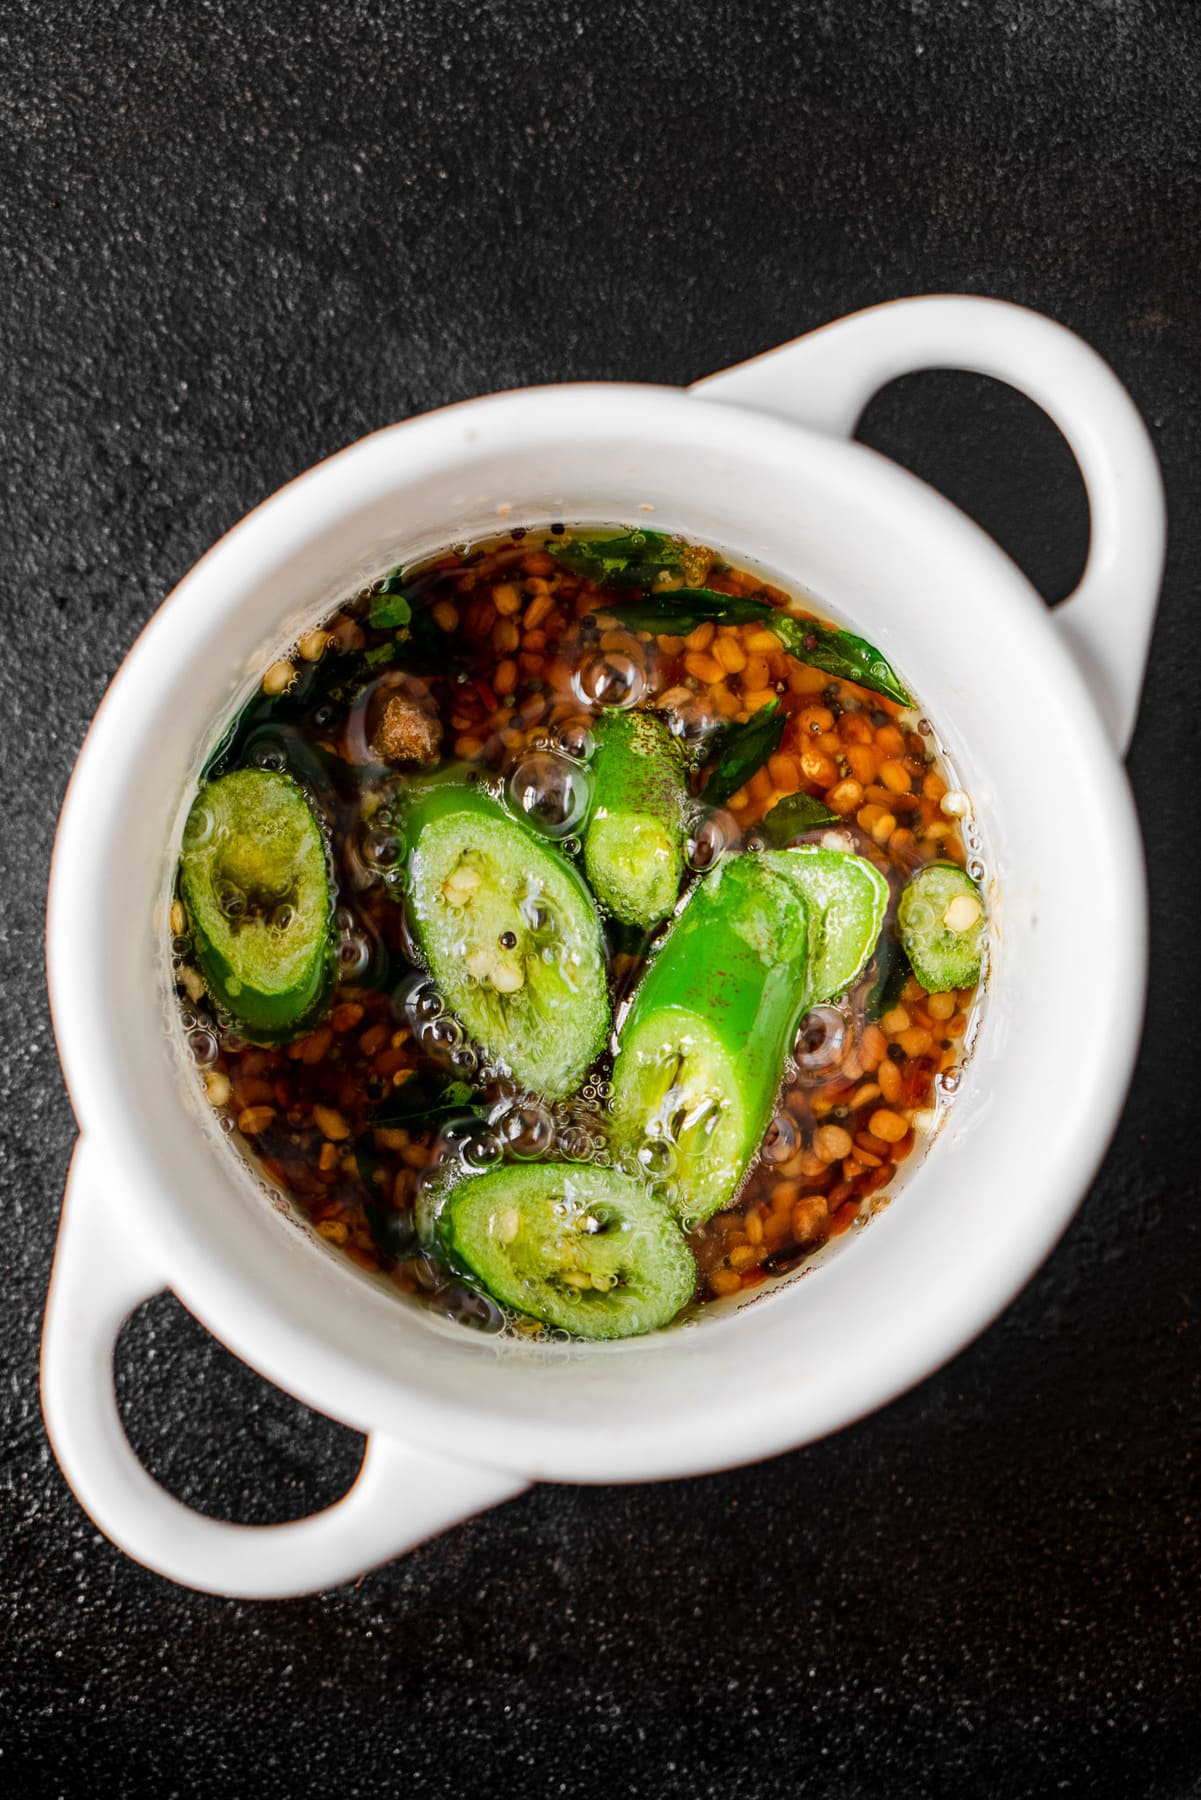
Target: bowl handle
x,y
102,1271
826,378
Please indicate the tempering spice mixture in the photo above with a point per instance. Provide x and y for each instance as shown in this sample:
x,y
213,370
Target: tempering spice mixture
x,y
499,656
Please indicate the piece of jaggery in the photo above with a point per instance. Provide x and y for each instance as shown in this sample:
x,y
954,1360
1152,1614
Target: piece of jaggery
x,y
406,734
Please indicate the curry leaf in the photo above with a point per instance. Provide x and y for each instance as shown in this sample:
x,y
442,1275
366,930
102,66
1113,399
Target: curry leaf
x,y
839,653
745,748
424,1101
391,612
631,560
680,610
892,972
792,816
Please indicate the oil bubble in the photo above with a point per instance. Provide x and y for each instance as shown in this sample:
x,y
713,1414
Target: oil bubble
x,y
657,1158
419,998
975,868
181,946
576,1143
709,841
575,739
780,1139
354,955
428,1272
408,944
820,1039
382,849
527,1130
440,1037
282,917
203,1046
551,791
465,1306
693,722
609,678
269,756
231,900
949,1082
480,1150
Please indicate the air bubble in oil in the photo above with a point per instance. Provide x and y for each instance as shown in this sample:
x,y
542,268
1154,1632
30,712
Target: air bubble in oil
x,y
419,999
657,1158
354,955
551,791
710,839
575,739
381,849
576,1144
231,900
609,678
269,756
820,1039
693,722
440,1037
203,1046
780,1139
465,1306
480,1150
407,938
527,1130
949,1082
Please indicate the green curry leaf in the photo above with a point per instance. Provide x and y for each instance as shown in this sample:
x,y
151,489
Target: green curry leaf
x,y
390,612
632,560
839,653
743,749
678,611
791,817
892,972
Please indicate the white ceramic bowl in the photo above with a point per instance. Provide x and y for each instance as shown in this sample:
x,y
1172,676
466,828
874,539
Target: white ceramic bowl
x,y
1034,708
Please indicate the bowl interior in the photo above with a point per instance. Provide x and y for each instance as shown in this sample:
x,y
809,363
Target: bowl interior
x,y
978,649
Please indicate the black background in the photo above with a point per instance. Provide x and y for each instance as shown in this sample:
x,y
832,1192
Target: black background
x,y
235,238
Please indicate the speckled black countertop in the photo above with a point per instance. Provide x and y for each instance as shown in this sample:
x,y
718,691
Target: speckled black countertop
x,y
232,239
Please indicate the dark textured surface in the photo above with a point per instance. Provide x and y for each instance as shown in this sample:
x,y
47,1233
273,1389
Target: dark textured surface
x,y
233,240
